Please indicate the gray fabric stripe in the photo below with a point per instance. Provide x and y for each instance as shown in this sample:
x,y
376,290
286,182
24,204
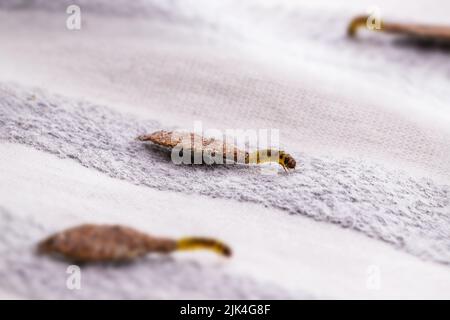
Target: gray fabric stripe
x,y
412,214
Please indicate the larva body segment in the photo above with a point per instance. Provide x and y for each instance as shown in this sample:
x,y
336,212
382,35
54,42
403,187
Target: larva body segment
x,y
229,151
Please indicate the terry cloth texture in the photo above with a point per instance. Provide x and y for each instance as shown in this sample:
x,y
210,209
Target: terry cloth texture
x,y
367,120
410,213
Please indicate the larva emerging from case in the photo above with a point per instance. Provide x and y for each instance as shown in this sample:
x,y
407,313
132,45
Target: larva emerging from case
x,y
109,243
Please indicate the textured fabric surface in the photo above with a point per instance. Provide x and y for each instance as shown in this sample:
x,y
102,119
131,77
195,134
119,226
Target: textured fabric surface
x,y
367,120
27,274
410,213
251,64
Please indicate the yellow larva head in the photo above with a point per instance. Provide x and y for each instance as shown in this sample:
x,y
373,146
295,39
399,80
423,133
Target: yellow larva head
x,y
287,160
